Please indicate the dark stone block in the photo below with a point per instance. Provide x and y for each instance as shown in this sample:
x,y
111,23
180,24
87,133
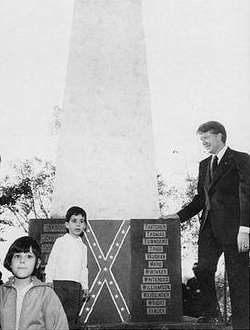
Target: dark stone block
x,y
155,271
134,269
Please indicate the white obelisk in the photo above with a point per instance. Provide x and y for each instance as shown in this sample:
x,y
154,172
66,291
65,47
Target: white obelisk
x,y
105,158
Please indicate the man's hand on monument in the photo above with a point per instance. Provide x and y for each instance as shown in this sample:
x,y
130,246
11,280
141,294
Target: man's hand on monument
x,y
173,216
243,241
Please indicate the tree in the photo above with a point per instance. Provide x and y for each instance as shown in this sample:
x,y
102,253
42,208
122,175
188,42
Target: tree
x,y
55,124
172,199
27,192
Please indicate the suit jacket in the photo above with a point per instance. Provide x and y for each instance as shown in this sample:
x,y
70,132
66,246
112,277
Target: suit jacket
x,y
225,198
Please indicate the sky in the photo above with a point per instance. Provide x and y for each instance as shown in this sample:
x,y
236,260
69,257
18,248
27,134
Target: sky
x,y
198,56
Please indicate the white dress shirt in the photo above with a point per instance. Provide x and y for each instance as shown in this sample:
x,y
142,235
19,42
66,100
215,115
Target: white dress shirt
x,y
219,155
68,261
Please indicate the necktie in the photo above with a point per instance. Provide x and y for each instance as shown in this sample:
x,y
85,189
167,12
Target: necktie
x,y
214,165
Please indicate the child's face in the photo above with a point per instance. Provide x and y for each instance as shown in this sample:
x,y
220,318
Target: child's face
x,y
76,225
23,264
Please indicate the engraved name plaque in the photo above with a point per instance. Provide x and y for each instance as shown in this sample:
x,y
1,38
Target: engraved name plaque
x,y
155,271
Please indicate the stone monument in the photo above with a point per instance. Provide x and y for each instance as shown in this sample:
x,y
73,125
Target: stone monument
x,y
105,156
106,165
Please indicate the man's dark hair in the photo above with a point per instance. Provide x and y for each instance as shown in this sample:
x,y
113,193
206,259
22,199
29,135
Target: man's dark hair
x,y
23,244
215,128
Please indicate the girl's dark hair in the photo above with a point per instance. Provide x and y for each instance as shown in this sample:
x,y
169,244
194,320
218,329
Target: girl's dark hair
x,y
23,244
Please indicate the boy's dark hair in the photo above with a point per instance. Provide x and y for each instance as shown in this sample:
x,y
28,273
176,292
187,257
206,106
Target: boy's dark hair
x,y
215,128
75,210
23,244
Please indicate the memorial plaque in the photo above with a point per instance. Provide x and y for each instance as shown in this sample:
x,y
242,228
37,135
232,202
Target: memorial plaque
x,y
155,271
134,268
46,231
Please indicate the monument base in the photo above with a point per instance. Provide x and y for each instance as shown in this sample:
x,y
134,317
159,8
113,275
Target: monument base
x,y
134,269
188,323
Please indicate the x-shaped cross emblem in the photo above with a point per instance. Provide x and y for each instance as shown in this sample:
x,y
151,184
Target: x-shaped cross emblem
x,y
105,274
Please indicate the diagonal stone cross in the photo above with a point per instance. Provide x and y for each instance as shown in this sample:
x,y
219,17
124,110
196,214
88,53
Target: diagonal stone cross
x,y
105,275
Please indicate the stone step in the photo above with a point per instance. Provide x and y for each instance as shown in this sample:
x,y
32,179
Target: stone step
x,y
188,323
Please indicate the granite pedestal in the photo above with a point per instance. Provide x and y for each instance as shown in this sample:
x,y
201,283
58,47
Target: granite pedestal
x,y
134,269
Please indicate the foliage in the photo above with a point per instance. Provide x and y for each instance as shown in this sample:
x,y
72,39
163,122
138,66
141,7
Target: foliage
x,y
171,200
222,289
166,195
26,192
55,124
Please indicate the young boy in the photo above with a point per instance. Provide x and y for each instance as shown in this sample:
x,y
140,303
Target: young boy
x,y
67,265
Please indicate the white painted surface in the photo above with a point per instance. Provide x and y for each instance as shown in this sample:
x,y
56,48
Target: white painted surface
x,y
105,158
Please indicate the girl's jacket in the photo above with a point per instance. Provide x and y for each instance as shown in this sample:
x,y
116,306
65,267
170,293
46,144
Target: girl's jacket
x,y
41,308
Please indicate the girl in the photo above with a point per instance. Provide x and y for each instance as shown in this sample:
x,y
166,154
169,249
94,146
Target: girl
x,y
25,302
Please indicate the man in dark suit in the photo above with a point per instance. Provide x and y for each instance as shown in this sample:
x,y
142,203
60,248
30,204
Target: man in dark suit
x,y
223,197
